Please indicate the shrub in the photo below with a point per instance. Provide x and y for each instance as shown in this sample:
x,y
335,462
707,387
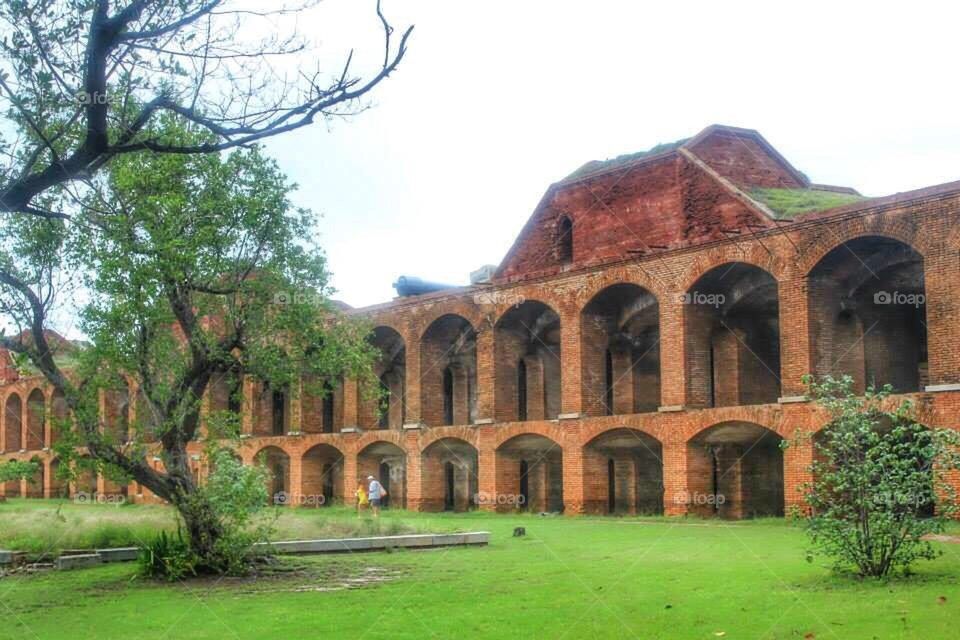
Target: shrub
x,y
167,557
879,481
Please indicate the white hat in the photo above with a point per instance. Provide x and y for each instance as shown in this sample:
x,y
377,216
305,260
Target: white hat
x,y
369,477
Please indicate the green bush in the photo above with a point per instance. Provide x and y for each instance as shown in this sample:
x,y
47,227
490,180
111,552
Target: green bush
x,y
879,481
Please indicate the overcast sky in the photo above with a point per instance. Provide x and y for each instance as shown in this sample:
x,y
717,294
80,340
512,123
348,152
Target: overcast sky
x,y
498,99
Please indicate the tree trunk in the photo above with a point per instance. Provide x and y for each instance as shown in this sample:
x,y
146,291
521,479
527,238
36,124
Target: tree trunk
x,y
203,527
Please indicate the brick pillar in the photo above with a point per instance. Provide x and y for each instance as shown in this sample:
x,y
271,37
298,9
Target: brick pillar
x,y
573,478
414,415
414,471
249,406
728,354
486,469
570,390
350,478
673,375
295,489
48,421
796,356
485,373
941,269
797,459
536,407
351,398
675,489
623,383
295,400
47,480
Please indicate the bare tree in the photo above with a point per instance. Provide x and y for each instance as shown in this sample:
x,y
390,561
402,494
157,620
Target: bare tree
x,y
83,79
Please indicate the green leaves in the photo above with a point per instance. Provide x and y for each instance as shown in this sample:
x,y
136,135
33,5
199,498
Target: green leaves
x,y
879,480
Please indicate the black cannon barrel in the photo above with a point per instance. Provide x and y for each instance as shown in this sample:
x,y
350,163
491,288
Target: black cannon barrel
x,y
411,286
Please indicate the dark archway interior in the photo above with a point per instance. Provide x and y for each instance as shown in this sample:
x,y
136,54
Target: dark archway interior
x,y
449,476
733,337
387,408
528,342
868,314
322,481
625,472
277,463
735,470
620,351
448,350
387,463
530,474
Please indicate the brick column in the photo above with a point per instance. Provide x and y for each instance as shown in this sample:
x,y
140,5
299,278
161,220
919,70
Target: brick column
x,y
570,384
941,270
414,470
296,405
414,414
573,478
485,373
249,406
673,375
486,469
351,397
796,358
675,489
350,478
296,474
47,422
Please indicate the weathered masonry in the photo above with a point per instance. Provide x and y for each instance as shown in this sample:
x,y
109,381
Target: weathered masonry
x,y
639,350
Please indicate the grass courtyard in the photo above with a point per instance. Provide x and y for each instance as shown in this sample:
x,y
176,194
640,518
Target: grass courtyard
x,y
567,578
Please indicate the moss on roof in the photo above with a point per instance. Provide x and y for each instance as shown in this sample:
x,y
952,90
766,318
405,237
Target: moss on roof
x,y
599,165
789,203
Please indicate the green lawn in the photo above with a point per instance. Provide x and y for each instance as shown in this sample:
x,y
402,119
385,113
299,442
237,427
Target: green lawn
x,y
568,578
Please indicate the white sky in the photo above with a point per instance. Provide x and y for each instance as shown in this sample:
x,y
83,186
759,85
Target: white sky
x,y
498,99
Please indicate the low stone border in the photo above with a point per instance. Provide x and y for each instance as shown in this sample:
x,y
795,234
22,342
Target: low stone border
x,y
285,547
379,543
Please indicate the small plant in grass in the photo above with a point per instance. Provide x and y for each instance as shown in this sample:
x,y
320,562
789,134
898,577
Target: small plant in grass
x,y
879,482
167,557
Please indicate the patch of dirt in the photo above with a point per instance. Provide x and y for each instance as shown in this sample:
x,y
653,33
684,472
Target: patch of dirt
x,y
939,537
291,576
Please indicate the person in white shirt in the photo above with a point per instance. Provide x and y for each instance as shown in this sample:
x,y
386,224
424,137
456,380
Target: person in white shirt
x,y
375,492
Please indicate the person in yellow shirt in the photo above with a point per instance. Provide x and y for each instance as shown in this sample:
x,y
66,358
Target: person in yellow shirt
x,y
362,501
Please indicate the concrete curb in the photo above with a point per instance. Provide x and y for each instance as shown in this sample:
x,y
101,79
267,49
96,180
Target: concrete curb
x,y
291,547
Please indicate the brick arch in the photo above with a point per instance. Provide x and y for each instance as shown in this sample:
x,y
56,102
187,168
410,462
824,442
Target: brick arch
x,y
503,310
589,434
698,428
599,282
307,449
461,308
552,432
754,255
289,452
373,437
466,434
817,247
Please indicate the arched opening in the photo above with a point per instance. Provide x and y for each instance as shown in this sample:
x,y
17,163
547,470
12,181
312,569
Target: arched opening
x,y
36,420
632,464
59,488
322,476
322,402
85,477
387,463
11,488
277,463
278,404
735,470
448,372
867,309
529,334
116,418
449,479
60,422
387,410
620,351
35,483
529,474
13,423
732,320
564,240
